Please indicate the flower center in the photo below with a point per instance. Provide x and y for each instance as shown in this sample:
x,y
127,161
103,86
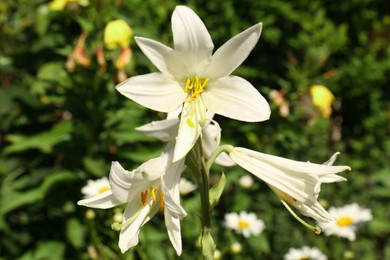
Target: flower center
x,y
243,224
194,87
345,221
151,194
103,189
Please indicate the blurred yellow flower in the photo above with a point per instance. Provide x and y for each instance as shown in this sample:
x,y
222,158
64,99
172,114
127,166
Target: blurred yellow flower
x,y
322,98
117,34
59,5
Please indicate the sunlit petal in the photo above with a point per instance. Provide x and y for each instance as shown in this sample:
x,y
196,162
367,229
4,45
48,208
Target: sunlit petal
x,y
230,55
236,98
154,91
189,130
102,201
191,38
163,57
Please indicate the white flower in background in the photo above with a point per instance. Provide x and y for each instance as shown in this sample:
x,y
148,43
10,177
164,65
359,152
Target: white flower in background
x,y
194,78
95,187
152,187
186,186
297,183
347,220
244,223
245,181
307,253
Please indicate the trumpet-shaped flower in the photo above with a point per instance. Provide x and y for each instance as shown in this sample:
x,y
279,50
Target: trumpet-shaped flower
x,y
347,220
297,183
192,77
151,187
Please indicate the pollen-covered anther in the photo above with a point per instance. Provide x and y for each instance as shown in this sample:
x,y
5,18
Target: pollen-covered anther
x,y
195,86
154,196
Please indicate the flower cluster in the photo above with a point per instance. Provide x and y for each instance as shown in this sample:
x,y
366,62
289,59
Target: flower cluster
x,y
194,84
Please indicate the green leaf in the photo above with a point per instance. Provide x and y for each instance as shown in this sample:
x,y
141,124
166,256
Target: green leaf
x,y
46,250
216,191
15,199
44,141
75,232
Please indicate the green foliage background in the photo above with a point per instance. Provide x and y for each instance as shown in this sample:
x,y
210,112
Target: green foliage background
x,y
59,129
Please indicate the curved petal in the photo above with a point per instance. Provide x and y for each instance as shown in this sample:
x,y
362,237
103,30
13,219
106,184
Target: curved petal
x,y
120,181
102,201
294,167
154,168
163,57
300,189
126,185
189,130
230,55
191,38
236,98
155,91
211,135
138,215
164,130
174,232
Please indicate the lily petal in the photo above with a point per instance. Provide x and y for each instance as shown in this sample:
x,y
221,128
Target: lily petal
x,y
191,39
154,168
189,131
164,130
230,55
163,57
211,136
236,98
140,215
294,167
174,232
124,184
102,201
155,91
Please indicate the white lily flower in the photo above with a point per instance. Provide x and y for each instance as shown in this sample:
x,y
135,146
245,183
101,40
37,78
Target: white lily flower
x,y
190,76
151,187
297,183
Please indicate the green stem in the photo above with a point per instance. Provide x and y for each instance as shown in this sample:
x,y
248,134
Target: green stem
x,y
223,148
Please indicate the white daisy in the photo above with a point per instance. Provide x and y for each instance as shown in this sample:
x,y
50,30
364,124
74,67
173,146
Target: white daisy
x,y
347,220
95,187
186,186
305,252
244,223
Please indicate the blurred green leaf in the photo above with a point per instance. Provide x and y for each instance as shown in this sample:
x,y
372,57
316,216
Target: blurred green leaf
x,y
75,232
46,250
14,199
44,141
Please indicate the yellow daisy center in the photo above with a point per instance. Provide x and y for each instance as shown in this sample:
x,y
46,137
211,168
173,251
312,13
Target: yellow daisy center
x,y
103,189
243,224
345,221
194,87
